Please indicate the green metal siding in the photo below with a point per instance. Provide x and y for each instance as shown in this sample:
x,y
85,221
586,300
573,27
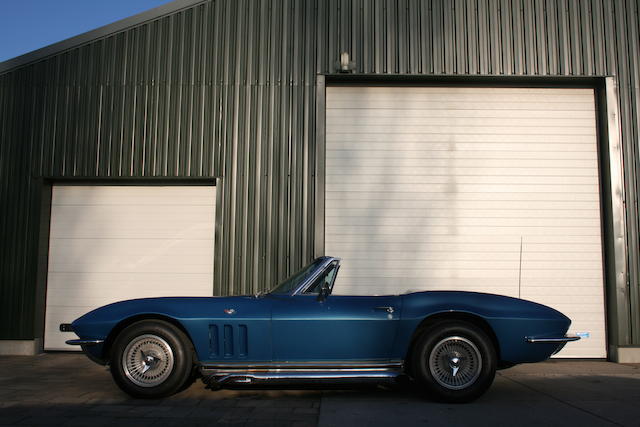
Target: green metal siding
x,y
228,89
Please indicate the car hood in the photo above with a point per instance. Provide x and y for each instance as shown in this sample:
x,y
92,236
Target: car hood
x,y
97,323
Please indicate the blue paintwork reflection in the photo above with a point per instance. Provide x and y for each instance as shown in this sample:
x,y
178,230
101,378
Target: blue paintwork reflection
x,y
338,328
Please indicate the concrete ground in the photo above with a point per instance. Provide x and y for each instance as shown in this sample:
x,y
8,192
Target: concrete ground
x,y
68,389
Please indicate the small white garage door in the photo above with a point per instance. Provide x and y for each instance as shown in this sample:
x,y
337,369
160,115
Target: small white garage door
x,y
479,189
111,243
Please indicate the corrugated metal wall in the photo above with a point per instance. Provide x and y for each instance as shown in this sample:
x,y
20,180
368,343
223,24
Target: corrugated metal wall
x,y
227,88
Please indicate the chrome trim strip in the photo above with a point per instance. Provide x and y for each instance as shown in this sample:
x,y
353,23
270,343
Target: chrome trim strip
x,y
223,377
294,371
306,365
557,340
316,375
84,342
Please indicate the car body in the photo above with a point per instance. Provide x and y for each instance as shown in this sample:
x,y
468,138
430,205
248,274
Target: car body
x,y
298,333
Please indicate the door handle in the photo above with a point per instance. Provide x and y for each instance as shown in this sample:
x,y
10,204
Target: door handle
x,y
387,309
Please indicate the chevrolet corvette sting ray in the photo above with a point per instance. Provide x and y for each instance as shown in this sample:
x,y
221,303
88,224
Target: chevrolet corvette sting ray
x,y
449,342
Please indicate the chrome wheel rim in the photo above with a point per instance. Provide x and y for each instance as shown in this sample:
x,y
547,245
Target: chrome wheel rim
x,y
455,363
147,360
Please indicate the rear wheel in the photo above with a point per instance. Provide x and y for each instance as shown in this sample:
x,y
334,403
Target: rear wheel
x,y
454,361
151,358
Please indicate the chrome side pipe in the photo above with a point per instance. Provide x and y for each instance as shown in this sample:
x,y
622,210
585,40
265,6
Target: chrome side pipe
x,y
223,378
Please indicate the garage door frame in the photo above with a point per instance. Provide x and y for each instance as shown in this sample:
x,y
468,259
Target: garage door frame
x,y
45,197
613,226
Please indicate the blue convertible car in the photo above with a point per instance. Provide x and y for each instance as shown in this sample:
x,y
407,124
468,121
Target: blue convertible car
x,y
449,342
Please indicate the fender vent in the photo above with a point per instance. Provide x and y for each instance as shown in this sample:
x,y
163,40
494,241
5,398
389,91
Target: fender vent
x,y
242,341
228,341
213,341
232,344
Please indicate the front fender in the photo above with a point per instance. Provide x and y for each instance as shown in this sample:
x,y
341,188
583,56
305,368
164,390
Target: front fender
x,y
196,316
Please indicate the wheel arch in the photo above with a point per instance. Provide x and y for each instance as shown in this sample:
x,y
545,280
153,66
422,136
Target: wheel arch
x,y
123,324
450,316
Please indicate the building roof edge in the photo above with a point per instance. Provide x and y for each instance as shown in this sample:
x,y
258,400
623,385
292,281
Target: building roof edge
x,y
98,33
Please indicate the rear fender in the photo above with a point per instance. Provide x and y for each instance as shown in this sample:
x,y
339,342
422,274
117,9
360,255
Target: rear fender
x,y
510,321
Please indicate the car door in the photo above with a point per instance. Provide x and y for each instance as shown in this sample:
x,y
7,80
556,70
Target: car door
x,y
336,328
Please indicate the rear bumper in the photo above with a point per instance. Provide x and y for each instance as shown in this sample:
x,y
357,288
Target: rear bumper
x,y
559,342
552,340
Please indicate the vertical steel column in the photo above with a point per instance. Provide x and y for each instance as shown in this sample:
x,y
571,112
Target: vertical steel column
x,y
621,303
320,165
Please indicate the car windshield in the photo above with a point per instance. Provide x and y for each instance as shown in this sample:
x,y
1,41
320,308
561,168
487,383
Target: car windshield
x,y
295,279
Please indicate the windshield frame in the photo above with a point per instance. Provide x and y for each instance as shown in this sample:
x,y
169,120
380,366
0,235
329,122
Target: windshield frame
x,y
321,264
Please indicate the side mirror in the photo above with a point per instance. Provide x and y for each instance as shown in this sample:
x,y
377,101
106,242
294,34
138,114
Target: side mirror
x,y
325,290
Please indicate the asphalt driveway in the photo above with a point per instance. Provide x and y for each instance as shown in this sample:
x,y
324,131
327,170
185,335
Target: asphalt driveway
x,y
68,389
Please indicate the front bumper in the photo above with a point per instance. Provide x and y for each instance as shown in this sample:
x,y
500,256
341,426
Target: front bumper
x,y
84,342
92,347
67,327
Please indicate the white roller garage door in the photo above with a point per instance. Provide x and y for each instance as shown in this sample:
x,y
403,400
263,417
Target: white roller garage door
x,y
481,189
110,243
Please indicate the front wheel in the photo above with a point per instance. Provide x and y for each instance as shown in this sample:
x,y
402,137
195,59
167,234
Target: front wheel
x,y
454,361
151,359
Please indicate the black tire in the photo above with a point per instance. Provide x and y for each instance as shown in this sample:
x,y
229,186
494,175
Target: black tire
x,y
465,350
151,359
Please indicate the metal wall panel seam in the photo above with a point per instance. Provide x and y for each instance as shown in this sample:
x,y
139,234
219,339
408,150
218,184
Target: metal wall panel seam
x,y
29,237
575,37
530,30
23,198
6,151
15,190
519,45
